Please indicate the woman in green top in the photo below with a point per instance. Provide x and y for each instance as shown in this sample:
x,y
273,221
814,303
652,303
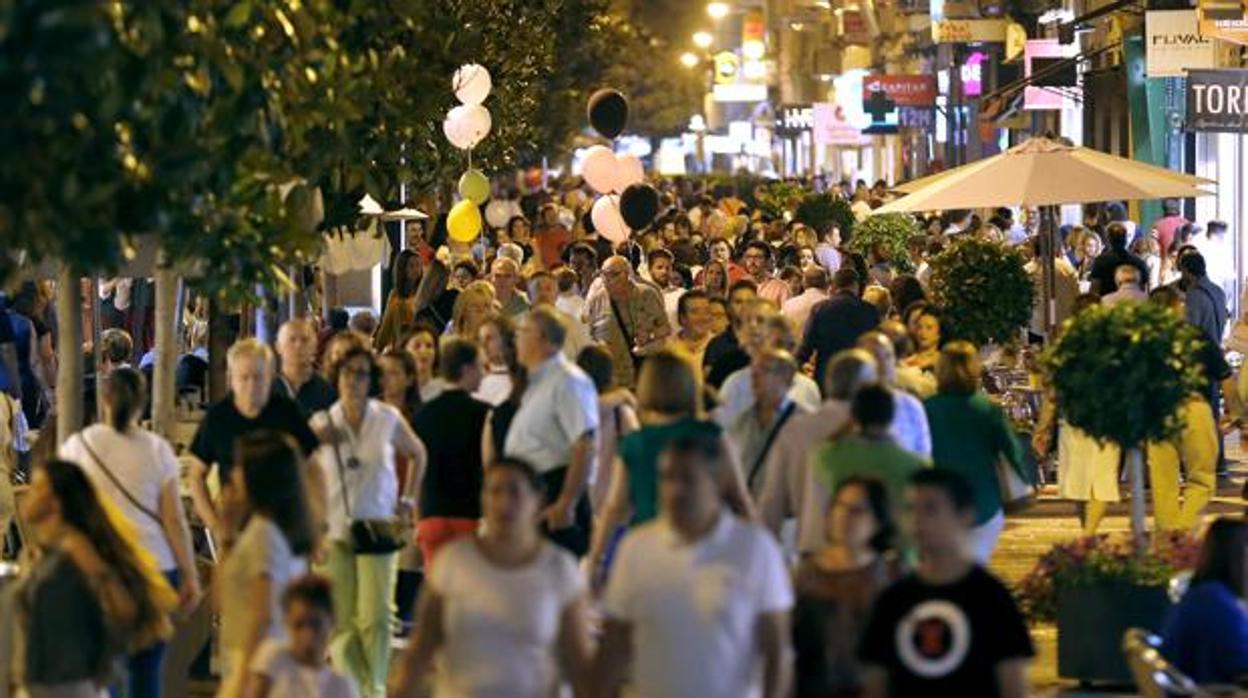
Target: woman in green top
x,y
970,435
668,395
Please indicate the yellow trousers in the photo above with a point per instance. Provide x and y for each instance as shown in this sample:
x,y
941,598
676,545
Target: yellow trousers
x,y
1195,449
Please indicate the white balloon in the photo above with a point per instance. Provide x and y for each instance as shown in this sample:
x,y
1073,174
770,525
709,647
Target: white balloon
x,y
599,168
467,125
471,84
607,219
497,213
628,171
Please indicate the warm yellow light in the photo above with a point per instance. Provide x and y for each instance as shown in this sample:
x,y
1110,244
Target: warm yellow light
x,y
754,70
753,50
702,39
717,10
689,60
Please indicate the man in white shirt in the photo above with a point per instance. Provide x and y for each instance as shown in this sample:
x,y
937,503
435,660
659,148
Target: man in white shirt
x,y
910,429
554,428
797,309
762,329
697,599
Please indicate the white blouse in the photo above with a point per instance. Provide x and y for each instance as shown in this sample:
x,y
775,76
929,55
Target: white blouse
x,y
367,458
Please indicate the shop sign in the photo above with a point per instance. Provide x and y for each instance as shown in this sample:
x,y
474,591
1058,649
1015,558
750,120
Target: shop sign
x,y
1038,55
969,31
972,72
743,92
727,67
854,29
918,118
794,119
833,128
902,90
1224,19
1175,45
1217,100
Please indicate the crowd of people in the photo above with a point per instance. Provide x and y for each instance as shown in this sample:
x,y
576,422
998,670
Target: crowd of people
x,y
729,444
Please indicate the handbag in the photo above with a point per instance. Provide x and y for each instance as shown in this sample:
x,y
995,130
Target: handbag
x,y
368,536
1016,493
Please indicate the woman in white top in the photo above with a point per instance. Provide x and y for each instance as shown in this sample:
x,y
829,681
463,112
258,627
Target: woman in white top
x,y
505,610
138,473
363,437
269,486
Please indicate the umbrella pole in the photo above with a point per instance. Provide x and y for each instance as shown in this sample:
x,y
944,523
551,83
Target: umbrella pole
x,y
1048,249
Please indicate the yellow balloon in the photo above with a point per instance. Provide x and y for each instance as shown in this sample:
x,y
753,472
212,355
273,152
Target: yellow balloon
x,y
463,223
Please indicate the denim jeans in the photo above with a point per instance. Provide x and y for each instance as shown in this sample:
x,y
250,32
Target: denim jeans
x,y
143,671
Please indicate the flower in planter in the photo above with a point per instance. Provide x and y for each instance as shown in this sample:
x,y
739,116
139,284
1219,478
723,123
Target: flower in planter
x,y
1100,559
984,290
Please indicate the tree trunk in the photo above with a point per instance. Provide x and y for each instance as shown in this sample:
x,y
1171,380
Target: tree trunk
x,y
164,393
69,385
1135,468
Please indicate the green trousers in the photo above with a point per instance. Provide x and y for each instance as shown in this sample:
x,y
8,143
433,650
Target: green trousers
x,y
364,610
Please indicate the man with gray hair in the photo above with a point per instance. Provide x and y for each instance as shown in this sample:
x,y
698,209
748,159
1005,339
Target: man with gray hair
x,y
505,277
626,317
554,428
754,432
297,378
1130,290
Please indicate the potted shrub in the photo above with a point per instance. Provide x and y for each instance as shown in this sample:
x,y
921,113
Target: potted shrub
x,y
1119,374
984,291
886,237
818,210
777,199
1097,587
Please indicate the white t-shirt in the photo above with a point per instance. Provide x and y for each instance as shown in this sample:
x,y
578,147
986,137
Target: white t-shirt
x,y
737,395
694,608
290,679
373,485
501,625
495,387
144,464
261,551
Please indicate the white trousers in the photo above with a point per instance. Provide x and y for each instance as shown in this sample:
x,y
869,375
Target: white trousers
x,y
984,537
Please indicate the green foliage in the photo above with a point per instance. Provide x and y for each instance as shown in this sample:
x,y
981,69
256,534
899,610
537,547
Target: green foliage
x,y
983,289
778,198
662,95
888,236
818,210
1099,559
1121,373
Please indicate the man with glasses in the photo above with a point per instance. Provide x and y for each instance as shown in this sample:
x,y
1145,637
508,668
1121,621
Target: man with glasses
x,y
626,317
757,262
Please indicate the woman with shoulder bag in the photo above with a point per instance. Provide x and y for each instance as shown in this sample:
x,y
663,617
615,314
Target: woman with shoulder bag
x,y
137,472
362,438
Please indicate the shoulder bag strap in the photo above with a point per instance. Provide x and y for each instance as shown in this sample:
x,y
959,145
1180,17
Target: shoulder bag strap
x,y
619,320
771,440
117,483
342,472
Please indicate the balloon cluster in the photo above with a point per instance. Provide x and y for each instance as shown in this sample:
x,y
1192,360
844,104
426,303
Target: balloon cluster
x,y
466,126
626,203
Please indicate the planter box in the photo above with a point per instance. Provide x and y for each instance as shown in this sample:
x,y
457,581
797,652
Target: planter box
x,y
1091,621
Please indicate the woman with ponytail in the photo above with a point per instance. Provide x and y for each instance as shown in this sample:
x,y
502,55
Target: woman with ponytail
x,y
89,597
137,473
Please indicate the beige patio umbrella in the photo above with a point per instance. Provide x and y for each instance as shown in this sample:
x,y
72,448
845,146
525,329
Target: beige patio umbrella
x,y
1043,172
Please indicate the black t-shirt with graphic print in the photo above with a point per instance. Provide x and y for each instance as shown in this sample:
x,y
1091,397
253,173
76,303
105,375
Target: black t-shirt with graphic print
x,y
945,640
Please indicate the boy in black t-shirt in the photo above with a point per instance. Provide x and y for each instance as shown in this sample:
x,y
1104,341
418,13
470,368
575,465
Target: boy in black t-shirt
x,y
950,628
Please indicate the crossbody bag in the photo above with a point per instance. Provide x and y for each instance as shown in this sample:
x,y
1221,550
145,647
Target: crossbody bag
x,y
368,536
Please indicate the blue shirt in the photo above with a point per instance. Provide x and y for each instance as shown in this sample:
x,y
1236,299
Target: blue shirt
x,y
1206,634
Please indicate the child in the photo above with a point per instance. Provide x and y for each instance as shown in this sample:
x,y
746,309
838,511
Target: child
x,y
296,668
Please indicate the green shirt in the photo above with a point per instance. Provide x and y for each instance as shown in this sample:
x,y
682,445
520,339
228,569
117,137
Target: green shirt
x,y
640,452
856,455
969,436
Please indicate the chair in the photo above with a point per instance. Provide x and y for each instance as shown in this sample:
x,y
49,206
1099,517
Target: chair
x,y
1154,676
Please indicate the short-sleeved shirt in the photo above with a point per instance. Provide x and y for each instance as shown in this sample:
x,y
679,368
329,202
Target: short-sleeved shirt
x,y
945,640
143,464
223,425
367,463
501,625
559,406
314,395
290,679
261,551
643,317
640,452
694,607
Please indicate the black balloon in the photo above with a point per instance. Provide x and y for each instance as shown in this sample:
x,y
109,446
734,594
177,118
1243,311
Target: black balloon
x,y
608,112
639,205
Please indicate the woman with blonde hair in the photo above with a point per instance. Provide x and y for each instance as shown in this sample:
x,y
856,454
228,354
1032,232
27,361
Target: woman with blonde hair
x,y
472,307
669,408
970,435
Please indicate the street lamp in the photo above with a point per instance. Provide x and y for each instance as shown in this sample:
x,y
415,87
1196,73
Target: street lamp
x,y
689,59
717,10
703,40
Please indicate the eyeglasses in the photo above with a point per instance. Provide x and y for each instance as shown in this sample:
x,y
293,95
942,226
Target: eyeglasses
x,y
357,372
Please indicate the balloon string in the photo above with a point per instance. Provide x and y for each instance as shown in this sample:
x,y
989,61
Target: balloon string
x,y
470,158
